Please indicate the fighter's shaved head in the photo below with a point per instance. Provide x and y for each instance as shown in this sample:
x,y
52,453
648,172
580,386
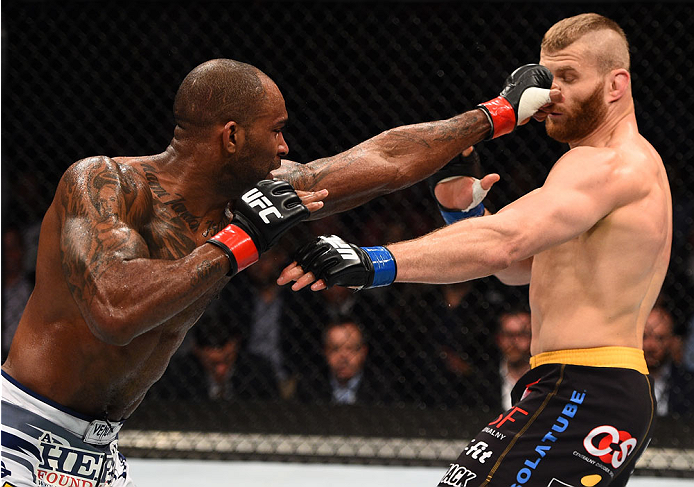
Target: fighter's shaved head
x,y
608,43
218,91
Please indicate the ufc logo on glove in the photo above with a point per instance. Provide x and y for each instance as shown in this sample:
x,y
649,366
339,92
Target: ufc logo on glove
x,y
343,248
255,198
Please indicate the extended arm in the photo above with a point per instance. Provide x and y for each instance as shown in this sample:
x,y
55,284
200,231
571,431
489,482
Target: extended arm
x,y
387,162
583,187
405,155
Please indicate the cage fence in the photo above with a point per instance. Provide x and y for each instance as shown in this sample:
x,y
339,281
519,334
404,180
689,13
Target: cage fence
x,y
87,78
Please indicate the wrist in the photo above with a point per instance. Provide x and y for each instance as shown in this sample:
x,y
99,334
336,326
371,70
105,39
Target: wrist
x,y
238,247
385,268
452,216
501,115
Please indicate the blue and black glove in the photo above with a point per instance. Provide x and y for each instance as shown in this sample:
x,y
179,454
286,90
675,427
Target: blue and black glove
x,y
340,263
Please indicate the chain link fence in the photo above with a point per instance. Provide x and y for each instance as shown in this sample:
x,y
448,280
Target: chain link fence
x,y
87,78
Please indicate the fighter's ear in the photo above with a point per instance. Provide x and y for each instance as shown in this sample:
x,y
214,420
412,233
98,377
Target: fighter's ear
x,y
232,136
619,80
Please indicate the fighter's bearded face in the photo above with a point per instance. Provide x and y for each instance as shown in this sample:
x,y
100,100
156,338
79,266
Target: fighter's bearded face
x,y
578,118
582,84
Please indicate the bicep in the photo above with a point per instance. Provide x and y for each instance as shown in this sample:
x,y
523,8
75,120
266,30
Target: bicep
x,y
573,199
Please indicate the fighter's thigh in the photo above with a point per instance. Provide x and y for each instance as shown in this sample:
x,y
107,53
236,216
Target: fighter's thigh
x,y
483,458
532,440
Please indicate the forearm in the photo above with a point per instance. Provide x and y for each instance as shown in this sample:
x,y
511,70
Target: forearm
x,y
390,161
459,252
135,296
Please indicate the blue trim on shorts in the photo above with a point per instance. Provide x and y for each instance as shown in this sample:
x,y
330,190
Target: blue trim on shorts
x,y
46,400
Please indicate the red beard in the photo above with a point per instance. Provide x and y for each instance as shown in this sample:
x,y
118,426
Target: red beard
x,y
586,117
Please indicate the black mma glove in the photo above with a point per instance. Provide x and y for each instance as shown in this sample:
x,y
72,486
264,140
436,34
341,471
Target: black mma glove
x,y
460,166
524,92
340,263
261,216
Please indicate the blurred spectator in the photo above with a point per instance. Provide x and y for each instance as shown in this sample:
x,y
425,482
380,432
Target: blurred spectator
x,y
17,284
673,383
267,311
345,377
513,341
218,367
452,350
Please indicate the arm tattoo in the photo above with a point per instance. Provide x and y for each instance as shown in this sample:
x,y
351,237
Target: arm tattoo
x,y
204,273
97,198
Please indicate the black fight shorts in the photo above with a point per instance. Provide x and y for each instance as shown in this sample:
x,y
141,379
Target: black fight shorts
x,y
580,418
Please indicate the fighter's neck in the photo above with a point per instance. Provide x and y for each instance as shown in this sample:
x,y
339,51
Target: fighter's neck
x,y
179,175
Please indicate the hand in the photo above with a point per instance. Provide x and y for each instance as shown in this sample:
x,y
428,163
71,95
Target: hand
x,y
312,200
454,185
331,261
268,210
525,91
261,216
458,194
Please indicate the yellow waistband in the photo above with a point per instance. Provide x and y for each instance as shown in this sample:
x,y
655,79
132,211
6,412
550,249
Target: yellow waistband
x,y
621,357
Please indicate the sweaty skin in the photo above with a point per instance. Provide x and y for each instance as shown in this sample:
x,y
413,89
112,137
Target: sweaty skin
x,y
593,242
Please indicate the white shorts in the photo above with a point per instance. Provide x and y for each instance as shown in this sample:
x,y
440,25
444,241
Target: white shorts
x,y
45,444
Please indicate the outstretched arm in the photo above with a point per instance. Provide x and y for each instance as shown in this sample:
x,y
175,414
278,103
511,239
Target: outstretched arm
x,y
583,187
387,162
405,155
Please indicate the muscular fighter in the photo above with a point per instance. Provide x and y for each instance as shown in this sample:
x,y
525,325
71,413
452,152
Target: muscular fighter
x,y
593,243
132,249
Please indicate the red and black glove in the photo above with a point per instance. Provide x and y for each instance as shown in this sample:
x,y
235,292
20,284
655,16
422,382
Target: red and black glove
x,y
261,216
524,92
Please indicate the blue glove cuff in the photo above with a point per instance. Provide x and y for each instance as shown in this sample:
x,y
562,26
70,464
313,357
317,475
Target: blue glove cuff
x,y
455,216
385,268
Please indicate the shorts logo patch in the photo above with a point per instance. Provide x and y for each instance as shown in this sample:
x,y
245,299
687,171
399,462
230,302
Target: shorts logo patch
x,y
610,445
478,451
545,445
499,422
4,471
7,484
457,476
591,480
494,433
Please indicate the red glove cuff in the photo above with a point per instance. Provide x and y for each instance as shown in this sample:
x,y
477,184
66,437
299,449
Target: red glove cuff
x,y
238,246
503,116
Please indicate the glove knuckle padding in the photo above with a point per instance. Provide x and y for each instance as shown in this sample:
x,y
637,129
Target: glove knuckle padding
x,y
268,210
520,92
336,262
530,76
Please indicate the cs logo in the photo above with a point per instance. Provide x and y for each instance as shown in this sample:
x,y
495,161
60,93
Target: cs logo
x,y
600,441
